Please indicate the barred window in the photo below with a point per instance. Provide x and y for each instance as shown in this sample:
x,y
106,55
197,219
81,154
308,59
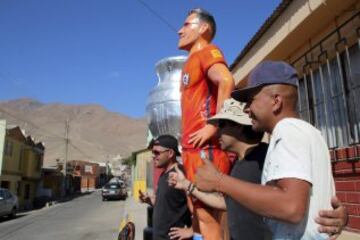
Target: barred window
x,y
352,71
329,98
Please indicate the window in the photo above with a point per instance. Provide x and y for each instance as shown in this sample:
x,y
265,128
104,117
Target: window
x,y
5,184
8,148
329,98
20,163
319,101
351,61
303,103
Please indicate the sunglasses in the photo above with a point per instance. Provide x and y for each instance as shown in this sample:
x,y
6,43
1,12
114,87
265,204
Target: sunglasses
x,y
157,153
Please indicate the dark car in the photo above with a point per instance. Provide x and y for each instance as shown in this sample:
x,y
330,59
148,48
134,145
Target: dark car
x,y
114,190
8,203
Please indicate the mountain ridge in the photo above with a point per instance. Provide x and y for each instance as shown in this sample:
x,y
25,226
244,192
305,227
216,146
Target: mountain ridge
x,y
95,133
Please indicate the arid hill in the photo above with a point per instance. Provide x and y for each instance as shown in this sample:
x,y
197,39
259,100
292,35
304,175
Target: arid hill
x,y
95,134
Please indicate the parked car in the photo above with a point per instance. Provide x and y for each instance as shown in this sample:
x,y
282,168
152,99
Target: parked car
x,y
114,190
8,203
115,179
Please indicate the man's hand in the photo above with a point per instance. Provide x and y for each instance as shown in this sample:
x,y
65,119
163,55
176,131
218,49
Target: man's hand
x,y
207,177
177,179
180,233
333,221
145,198
200,137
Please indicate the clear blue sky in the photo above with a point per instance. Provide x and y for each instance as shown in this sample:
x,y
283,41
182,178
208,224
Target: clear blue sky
x,y
104,51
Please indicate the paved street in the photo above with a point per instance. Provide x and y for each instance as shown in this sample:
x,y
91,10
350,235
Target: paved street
x,y
85,217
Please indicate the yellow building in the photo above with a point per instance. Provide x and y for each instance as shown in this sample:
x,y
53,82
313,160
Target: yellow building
x,y
11,165
321,39
141,171
21,166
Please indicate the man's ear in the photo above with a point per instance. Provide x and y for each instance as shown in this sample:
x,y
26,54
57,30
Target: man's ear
x,y
277,103
204,27
172,153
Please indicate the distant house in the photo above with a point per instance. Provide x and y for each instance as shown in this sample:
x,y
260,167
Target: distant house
x,y
21,165
321,39
85,176
104,173
51,183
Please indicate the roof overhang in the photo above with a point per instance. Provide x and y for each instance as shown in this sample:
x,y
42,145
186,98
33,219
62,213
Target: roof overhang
x,y
291,25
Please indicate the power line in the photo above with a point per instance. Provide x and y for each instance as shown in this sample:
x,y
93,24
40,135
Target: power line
x,y
32,124
157,15
49,149
52,139
80,151
56,136
42,129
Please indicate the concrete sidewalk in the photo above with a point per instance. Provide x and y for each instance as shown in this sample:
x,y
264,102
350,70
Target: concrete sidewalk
x,y
136,213
349,236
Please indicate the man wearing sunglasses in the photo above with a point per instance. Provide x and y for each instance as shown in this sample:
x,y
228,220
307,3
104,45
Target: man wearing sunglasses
x,y
170,205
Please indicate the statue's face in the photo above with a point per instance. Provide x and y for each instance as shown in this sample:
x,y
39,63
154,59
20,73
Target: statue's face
x,y
189,33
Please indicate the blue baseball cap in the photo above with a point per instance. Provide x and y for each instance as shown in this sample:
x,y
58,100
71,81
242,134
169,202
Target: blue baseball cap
x,y
267,73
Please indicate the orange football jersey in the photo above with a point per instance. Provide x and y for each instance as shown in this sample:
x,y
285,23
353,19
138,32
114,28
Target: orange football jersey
x,y
198,93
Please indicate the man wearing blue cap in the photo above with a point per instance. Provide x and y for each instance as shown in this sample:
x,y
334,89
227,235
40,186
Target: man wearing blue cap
x,y
296,181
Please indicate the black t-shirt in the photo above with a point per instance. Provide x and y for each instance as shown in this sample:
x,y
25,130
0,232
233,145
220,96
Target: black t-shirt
x,y
243,223
170,209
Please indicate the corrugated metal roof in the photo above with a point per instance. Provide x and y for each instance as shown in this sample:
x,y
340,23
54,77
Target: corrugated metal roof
x,y
266,25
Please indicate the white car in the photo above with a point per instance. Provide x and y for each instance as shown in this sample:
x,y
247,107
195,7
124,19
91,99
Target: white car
x,y
8,203
114,190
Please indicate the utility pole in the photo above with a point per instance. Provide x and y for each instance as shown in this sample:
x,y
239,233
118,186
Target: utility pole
x,y
67,141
